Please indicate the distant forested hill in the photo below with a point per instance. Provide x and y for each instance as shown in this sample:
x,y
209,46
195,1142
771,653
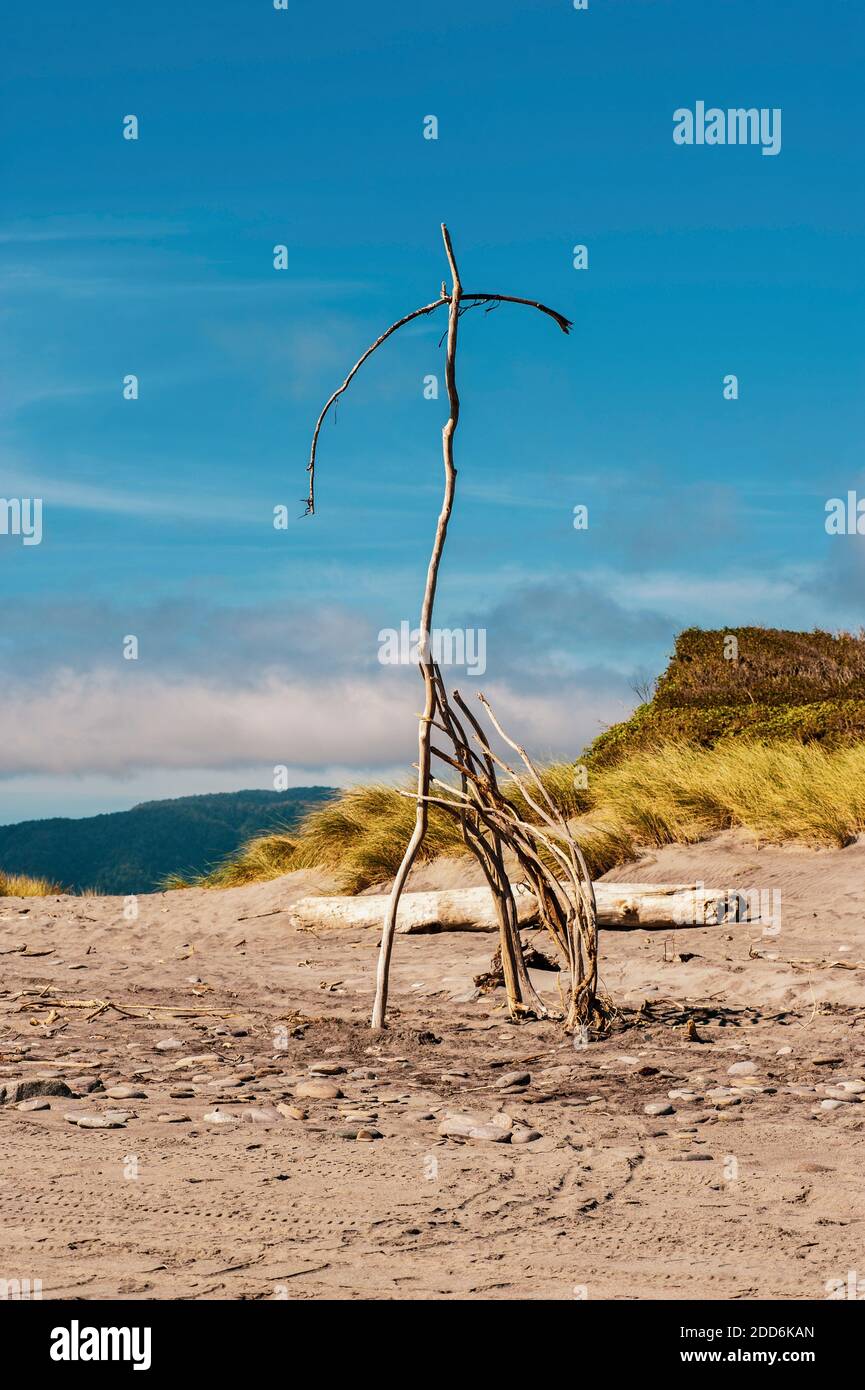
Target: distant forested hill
x,y
133,851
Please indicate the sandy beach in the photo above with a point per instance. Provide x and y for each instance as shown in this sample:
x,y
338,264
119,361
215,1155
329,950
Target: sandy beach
x,y
733,1184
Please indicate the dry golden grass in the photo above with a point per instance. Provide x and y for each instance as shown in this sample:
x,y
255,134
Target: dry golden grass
x,y
781,791
360,837
23,886
675,792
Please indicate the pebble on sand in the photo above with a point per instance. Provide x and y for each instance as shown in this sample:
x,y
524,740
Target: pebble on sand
x,y
202,1060
466,1125
87,1084
489,1134
514,1078
14,1091
458,1125
221,1117
317,1090
658,1107
94,1121
521,1135
292,1112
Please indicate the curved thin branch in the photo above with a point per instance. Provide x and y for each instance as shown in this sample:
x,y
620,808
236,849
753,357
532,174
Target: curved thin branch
x,y
400,323
564,324
479,298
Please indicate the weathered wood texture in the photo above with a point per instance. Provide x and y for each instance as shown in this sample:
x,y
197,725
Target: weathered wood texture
x,y
473,909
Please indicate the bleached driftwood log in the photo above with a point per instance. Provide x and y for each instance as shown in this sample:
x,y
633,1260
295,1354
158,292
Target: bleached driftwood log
x,y
473,909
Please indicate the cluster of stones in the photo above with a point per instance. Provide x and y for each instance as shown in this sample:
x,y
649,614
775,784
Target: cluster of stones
x,y
745,1084
315,1098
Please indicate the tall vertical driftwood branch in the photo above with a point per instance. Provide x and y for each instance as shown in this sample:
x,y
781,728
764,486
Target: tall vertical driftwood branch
x,y
488,855
424,650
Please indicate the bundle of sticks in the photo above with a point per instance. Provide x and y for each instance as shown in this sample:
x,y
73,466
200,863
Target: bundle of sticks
x,y
551,862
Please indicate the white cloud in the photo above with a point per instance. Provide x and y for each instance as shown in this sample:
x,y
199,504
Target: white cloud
x,y
108,724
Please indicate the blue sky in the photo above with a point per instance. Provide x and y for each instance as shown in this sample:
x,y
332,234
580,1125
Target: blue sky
x,y
305,127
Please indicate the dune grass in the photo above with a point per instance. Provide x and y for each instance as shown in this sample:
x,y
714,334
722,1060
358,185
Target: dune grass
x,y
675,792
23,886
781,791
360,836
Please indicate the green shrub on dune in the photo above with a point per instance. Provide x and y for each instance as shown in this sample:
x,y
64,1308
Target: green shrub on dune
x,y
806,687
771,666
829,722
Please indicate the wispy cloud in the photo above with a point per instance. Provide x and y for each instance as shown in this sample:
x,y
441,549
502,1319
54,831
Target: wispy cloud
x,y
71,227
159,502
68,282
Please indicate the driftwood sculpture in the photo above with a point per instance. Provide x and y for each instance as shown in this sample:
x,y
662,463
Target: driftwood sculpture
x,y
490,823
553,868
